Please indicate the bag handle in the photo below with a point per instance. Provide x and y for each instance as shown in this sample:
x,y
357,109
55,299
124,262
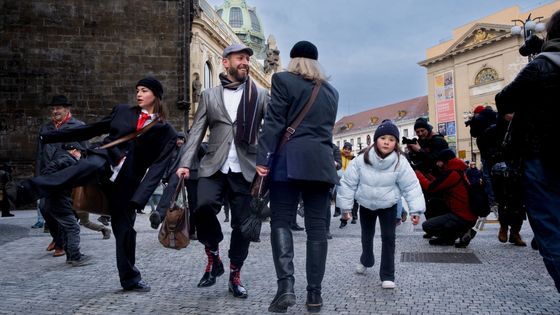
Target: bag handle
x,y
292,128
180,188
130,136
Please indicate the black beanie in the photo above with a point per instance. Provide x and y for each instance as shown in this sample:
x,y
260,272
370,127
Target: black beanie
x,y
304,49
152,84
422,123
445,155
386,128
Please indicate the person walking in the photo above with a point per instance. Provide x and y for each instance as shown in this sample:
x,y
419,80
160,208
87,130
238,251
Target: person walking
x,y
232,113
376,180
128,172
533,96
293,172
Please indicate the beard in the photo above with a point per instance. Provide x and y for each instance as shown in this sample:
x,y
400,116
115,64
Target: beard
x,y
237,75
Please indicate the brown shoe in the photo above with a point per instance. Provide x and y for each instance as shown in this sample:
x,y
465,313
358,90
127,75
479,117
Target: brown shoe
x,y
503,234
50,247
59,252
516,239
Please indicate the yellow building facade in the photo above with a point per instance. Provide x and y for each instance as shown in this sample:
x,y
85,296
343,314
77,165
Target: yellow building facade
x,y
471,68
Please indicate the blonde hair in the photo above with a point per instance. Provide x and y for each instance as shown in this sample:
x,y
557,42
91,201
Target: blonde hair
x,y
309,69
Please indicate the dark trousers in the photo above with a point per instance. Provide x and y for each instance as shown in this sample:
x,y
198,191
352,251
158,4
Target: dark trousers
x,y
59,207
192,191
52,223
211,193
284,199
368,219
448,226
541,184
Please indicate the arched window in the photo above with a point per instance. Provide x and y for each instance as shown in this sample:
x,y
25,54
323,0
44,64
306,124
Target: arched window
x,y
207,75
486,75
235,17
255,21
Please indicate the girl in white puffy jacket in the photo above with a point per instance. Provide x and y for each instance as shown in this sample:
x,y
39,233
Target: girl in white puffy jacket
x,y
377,179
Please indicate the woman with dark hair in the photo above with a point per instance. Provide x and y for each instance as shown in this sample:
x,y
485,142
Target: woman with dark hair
x,y
129,172
533,97
304,165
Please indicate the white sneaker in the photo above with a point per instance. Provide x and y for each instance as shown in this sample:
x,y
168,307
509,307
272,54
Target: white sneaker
x,y
361,269
388,285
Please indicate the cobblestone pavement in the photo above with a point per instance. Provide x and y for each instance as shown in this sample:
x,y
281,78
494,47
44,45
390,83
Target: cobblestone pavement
x,y
509,279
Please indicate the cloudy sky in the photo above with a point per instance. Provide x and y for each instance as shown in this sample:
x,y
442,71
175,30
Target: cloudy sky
x,y
371,48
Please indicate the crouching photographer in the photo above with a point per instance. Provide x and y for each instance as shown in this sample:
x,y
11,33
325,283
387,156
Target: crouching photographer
x,y
533,97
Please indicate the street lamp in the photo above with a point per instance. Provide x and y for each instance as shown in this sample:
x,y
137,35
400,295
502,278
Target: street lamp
x,y
526,29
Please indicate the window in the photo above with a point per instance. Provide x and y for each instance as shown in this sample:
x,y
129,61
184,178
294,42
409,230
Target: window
x,y
219,12
352,142
359,141
207,75
405,132
254,21
368,140
486,75
235,17
338,144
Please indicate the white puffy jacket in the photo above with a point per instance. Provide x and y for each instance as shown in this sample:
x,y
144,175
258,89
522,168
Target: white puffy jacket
x,y
380,185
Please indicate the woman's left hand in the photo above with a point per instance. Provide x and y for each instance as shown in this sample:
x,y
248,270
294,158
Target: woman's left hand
x,y
262,170
415,219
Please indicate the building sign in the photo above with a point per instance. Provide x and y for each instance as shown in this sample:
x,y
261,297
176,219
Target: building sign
x,y
445,107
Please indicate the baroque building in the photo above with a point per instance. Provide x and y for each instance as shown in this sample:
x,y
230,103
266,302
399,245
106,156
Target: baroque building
x,y
471,68
358,129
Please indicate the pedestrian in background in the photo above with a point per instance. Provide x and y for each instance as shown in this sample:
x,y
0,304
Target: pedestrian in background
x,y
294,172
376,179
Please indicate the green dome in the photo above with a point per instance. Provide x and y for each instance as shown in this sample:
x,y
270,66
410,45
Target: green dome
x,y
246,23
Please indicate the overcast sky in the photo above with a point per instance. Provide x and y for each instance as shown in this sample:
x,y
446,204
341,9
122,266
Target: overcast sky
x,y
371,48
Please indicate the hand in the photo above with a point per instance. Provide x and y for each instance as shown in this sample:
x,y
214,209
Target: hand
x,y
414,147
346,216
415,219
183,172
262,170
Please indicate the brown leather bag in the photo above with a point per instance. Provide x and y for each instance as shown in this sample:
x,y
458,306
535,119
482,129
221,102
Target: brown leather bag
x,y
90,198
174,231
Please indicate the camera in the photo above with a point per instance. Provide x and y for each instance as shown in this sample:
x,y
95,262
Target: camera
x,y
532,46
405,140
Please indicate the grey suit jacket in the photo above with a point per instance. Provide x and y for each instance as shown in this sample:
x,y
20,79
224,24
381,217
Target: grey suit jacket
x,y
212,113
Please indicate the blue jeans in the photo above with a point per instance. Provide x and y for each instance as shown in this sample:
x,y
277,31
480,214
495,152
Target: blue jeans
x,y
487,178
541,184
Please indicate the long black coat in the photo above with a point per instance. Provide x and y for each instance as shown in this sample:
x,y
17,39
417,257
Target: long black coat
x,y
308,155
146,156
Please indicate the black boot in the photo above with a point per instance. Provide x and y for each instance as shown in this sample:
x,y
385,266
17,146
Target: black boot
x,y
234,284
214,269
465,240
283,255
315,269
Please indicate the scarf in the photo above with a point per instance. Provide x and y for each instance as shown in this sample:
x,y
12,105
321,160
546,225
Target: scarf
x,y
66,119
247,126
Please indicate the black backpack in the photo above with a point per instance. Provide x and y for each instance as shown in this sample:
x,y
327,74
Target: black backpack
x,y
478,198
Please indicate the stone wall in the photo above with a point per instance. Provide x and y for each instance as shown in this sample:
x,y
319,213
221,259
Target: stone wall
x,y
91,51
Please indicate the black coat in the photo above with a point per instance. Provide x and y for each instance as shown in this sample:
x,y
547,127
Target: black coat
x,y
308,155
146,156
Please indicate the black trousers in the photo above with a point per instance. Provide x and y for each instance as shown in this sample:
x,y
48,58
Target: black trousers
x,y
368,219
284,199
211,193
96,168
447,226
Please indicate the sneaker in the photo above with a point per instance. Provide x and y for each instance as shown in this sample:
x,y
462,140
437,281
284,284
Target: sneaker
x,y
388,284
82,261
361,269
104,220
37,225
106,234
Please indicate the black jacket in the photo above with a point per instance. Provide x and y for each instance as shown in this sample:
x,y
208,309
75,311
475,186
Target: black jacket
x,y
533,97
146,156
308,155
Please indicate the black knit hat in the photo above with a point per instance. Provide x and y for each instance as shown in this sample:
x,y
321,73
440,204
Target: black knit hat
x,y
445,155
304,49
59,100
347,145
152,84
422,123
386,128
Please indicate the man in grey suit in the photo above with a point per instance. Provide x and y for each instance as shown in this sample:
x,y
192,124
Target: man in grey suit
x,y
233,112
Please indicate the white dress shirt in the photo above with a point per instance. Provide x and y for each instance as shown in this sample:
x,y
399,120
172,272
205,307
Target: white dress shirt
x,y
231,101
